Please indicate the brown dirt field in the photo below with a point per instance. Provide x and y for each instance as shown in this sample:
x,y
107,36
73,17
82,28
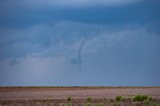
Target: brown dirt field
x,y
29,93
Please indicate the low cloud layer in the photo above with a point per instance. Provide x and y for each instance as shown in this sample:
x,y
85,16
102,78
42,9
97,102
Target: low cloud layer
x,y
45,52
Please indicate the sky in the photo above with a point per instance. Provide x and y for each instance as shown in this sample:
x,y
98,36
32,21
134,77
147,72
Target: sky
x,y
79,43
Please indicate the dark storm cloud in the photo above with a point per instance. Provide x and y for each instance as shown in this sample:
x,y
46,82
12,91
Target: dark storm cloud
x,y
109,40
24,14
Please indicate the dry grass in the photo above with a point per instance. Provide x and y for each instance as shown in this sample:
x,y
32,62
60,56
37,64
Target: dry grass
x,y
57,96
78,102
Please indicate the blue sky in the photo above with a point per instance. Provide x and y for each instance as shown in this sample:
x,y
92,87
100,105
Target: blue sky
x,y
79,42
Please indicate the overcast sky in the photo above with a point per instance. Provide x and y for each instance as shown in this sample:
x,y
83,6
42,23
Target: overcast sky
x,y
79,42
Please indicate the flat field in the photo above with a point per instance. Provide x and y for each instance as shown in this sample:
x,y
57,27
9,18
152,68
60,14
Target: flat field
x,y
55,96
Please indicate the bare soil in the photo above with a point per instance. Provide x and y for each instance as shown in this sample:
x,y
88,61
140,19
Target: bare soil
x,y
75,92
59,94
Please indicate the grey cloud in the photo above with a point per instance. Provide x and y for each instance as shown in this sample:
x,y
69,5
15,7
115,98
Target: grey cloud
x,y
107,51
37,38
